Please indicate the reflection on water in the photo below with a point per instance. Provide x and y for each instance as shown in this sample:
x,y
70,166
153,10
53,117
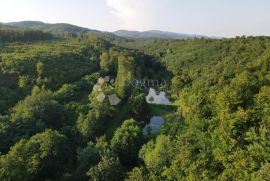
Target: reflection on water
x,y
154,126
155,98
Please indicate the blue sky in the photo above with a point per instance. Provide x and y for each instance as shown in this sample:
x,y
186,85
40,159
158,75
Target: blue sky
x,y
226,18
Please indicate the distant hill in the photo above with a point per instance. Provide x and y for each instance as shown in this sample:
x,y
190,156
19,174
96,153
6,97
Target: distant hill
x,y
28,24
60,28
52,28
155,34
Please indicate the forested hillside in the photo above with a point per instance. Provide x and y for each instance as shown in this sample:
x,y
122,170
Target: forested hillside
x,y
57,28
222,87
11,35
68,109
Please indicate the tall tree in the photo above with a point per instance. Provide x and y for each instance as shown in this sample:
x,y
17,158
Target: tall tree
x,y
125,74
127,142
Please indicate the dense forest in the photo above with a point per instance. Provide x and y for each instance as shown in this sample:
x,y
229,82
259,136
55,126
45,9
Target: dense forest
x,y
69,112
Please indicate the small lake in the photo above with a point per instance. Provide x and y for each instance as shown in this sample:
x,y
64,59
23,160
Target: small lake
x,y
154,98
154,126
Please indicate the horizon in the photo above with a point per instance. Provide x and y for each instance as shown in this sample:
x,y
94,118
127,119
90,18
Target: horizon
x,y
209,18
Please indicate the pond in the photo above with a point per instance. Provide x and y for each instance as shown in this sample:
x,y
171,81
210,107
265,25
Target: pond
x,y
154,98
154,126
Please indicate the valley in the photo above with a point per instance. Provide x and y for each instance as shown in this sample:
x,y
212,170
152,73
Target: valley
x,y
70,111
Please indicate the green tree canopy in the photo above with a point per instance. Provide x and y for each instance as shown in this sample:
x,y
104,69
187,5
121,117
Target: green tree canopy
x,y
127,141
44,155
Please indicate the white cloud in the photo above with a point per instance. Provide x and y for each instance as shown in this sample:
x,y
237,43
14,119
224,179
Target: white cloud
x,y
136,14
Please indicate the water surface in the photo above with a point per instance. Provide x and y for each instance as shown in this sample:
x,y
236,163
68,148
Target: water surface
x,y
154,126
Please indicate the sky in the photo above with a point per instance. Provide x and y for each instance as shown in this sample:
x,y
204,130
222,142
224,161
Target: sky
x,y
223,18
